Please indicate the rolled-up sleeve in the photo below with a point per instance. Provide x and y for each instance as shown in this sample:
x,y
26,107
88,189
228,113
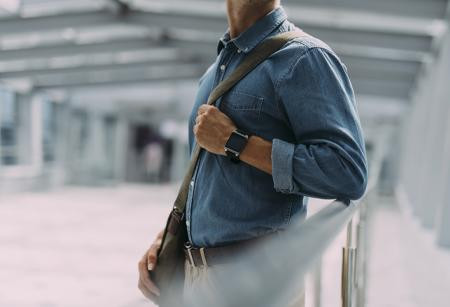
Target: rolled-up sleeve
x,y
326,157
282,158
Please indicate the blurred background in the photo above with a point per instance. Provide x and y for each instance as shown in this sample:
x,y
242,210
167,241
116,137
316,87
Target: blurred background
x,y
94,100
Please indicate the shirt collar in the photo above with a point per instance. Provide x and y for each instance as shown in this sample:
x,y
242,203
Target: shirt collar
x,y
251,37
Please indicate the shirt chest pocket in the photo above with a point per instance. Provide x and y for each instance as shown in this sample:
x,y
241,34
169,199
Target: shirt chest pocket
x,y
237,101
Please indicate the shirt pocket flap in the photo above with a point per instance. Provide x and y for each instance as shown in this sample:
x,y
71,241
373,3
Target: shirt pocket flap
x,y
237,100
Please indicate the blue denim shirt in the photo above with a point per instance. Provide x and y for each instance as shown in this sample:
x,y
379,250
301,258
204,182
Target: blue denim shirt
x,y
302,101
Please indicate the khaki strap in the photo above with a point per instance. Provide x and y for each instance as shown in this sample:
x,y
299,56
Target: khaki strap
x,y
253,59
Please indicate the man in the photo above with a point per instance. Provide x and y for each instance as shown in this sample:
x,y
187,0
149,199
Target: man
x,y
294,126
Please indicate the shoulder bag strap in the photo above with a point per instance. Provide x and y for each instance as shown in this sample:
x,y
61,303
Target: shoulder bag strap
x,y
253,59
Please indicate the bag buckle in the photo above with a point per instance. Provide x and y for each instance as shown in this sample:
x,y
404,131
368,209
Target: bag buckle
x,y
190,249
202,255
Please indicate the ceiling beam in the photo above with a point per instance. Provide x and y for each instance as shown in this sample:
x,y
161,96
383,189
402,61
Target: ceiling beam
x,y
342,32
403,42
359,67
399,69
381,87
205,47
120,76
361,58
324,15
111,68
376,61
358,36
70,48
303,16
9,26
409,8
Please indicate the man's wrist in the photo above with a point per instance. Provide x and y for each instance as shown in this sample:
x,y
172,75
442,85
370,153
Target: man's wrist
x,y
258,153
226,138
236,144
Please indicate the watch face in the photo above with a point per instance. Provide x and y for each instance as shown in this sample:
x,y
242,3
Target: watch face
x,y
236,143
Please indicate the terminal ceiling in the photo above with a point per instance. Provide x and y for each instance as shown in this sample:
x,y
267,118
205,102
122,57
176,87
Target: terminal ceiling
x,y
68,45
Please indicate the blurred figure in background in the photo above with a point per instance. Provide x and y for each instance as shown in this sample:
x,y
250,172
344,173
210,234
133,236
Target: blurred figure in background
x,y
153,155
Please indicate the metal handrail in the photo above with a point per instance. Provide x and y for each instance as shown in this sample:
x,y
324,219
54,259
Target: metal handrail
x,y
285,261
274,278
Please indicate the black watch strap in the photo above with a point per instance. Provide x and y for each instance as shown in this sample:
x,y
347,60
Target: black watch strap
x,y
236,144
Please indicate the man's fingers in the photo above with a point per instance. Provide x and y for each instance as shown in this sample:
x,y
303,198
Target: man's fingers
x,y
149,285
199,118
146,264
160,234
151,261
145,278
152,253
146,293
204,108
195,129
158,242
153,250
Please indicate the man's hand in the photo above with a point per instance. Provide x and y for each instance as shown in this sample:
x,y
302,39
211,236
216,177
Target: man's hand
x,y
148,263
212,129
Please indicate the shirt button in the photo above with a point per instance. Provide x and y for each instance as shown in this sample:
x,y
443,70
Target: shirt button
x,y
239,51
192,183
187,223
222,67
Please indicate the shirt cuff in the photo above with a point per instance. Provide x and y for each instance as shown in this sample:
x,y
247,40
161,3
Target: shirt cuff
x,y
282,169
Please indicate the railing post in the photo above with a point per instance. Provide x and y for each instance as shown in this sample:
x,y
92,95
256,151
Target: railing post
x,y
317,276
361,256
348,268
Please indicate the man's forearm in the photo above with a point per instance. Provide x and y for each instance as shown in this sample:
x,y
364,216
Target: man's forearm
x,y
258,153
212,130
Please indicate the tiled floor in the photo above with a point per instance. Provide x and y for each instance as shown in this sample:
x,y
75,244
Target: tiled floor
x,y
77,246
80,247
406,268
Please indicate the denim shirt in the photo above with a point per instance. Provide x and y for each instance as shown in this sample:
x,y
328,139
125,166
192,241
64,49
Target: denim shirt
x,y
302,101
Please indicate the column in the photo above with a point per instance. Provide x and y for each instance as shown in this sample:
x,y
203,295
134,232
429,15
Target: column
x,y
95,154
1,162
36,144
122,145
408,139
415,165
436,138
24,129
443,211
409,146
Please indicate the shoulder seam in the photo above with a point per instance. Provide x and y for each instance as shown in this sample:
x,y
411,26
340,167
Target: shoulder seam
x,y
292,66
296,61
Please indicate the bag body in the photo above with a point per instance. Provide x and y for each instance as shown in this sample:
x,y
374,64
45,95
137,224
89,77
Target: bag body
x,y
169,271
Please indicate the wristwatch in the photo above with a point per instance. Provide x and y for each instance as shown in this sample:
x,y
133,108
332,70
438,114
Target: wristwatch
x,y
236,144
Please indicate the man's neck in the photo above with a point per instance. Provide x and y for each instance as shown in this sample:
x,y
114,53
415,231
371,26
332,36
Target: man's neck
x,y
242,14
